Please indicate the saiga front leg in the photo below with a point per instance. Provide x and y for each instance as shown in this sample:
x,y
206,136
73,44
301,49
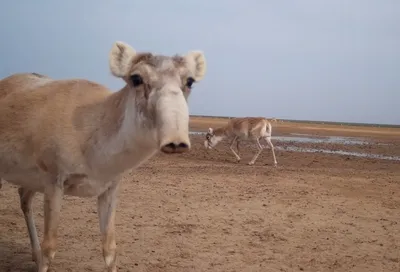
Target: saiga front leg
x,y
53,195
106,205
260,148
231,148
237,146
26,197
268,140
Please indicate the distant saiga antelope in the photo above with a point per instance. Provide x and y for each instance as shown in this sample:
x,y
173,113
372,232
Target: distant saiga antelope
x,y
75,137
246,128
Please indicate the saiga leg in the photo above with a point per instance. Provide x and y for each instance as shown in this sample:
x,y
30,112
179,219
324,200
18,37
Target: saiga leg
x,y
268,140
260,148
26,197
53,196
106,205
231,147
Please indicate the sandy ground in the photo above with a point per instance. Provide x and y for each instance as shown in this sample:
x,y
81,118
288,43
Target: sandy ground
x,y
203,212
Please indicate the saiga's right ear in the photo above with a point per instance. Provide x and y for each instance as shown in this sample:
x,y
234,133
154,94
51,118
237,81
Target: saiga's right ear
x,y
121,57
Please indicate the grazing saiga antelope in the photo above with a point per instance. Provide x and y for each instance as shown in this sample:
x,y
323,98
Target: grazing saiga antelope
x,y
246,128
76,137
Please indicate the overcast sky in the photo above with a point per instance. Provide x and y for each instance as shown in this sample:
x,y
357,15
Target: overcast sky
x,y
334,60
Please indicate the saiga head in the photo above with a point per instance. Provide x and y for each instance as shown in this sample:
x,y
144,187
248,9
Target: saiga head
x,y
211,139
159,86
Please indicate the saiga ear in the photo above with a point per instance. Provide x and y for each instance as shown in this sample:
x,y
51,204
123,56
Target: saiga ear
x,y
121,57
196,62
210,130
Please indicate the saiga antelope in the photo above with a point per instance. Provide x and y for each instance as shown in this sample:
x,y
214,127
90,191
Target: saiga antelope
x,y
75,137
246,128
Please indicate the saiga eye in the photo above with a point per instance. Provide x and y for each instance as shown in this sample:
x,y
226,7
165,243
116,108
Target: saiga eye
x,y
189,82
137,80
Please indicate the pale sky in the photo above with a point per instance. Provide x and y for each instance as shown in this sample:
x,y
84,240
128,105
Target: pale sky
x,y
333,60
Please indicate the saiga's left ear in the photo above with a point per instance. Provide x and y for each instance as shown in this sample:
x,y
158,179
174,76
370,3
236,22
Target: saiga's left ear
x,y
196,62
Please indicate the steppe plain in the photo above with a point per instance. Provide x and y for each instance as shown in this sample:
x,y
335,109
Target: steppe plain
x,y
337,209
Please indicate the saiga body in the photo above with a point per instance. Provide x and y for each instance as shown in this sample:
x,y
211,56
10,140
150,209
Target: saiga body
x,y
238,129
76,137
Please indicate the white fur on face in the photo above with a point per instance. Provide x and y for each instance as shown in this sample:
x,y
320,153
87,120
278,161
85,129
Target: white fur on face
x,y
172,116
169,102
213,141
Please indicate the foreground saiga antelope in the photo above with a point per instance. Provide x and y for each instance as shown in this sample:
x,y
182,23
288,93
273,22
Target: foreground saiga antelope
x,y
246,128
75,137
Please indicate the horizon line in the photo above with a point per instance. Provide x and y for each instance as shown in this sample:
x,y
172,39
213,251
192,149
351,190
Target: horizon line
x,y
312,121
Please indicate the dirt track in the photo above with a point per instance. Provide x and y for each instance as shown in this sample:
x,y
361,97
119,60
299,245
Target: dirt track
x,y
203,212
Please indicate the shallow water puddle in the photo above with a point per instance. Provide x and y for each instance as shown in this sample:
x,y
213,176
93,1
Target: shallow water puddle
x,y
339,152
197,133
332,140
309,139
314,140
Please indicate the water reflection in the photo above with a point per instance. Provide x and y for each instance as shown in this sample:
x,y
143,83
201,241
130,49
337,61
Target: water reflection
x,y
340,152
